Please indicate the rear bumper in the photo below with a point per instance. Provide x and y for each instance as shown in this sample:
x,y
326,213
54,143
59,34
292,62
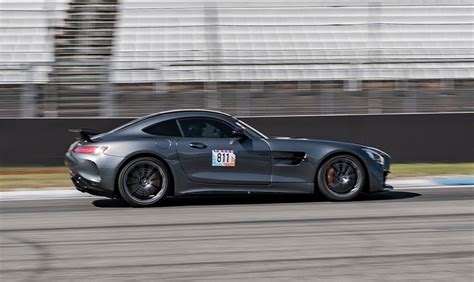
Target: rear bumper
x,y
85,186
93,174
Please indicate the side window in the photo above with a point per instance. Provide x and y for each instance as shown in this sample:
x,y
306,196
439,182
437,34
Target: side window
x,y
164,128
205,128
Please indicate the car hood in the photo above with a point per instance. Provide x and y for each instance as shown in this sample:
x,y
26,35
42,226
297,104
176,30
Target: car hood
x,y
319,141
299,141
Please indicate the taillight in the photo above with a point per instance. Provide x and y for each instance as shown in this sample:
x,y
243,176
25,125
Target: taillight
x,y
90,150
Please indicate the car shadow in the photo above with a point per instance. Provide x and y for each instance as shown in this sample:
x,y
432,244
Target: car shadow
x,y
201,200
391,195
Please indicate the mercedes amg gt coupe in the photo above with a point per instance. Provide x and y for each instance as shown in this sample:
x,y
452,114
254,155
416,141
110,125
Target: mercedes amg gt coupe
x,y
198,151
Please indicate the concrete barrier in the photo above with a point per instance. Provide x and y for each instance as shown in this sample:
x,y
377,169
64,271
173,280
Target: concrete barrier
x,y
408,138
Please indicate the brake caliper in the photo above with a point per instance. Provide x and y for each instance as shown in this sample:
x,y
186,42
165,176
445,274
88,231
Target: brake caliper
x,y
330,176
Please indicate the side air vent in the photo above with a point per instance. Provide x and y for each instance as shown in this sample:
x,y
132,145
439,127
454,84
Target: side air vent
x,y
288,158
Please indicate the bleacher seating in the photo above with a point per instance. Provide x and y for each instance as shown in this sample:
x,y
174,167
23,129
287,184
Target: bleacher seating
x,y
69,55
26,44
269,40
286,40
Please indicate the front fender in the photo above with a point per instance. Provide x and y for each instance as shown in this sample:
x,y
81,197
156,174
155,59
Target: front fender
x,y
318,151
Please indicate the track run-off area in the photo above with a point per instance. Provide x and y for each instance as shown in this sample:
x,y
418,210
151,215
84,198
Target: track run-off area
x,y
416,234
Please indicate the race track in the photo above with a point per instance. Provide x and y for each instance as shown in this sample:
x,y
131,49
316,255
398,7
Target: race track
x,y
425,234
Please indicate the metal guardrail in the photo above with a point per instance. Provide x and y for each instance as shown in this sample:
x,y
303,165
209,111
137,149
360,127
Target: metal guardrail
x,y
243,98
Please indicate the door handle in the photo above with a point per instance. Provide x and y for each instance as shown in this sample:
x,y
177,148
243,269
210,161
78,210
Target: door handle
x,y
197,145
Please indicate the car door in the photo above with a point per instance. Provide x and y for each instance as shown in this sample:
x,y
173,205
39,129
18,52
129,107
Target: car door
x,y
209,153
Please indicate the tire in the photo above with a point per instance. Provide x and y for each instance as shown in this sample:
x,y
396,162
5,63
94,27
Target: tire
x,y
143,182
341,178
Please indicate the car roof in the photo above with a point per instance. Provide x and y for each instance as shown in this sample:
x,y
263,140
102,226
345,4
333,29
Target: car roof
x,y
184,113
161,116
190,111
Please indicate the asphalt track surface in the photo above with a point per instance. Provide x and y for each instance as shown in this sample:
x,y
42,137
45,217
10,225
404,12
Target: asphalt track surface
x,y
423,234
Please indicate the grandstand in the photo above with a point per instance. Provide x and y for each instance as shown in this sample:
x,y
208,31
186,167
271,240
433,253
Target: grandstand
x,y
128,58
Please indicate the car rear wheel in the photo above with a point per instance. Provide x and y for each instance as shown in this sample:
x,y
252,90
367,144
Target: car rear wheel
x,y
143,182
341,178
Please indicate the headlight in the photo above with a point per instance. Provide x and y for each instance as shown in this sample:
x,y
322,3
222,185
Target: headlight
x,y
375,156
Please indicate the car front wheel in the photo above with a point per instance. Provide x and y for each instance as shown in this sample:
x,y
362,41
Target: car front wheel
x,y
143,182
341,178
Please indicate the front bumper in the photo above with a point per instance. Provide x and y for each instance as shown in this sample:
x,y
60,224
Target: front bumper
x,y
378,175
386,187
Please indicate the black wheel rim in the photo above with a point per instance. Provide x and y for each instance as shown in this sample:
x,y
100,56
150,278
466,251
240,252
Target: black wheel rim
x,y
343,177
145,182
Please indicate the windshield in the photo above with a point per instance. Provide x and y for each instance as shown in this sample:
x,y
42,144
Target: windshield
x,y
252,131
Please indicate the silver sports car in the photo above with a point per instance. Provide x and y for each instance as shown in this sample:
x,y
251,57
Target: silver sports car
x,y
196,152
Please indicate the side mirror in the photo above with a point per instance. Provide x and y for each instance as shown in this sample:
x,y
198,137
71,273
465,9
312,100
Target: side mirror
x,y
239,133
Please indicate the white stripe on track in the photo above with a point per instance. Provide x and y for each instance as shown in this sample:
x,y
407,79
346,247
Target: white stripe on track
x,y
44,194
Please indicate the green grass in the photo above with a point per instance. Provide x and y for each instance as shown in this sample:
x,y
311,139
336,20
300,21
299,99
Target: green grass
x,y
421,169
33,177
41,177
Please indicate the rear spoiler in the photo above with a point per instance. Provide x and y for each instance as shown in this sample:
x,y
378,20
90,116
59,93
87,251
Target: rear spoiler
x,y
85,134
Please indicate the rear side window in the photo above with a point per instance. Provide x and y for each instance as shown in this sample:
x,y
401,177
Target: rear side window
x,y
205,128
164,128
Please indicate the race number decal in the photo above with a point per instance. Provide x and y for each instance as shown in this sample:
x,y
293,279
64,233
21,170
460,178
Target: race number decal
x,y
223,158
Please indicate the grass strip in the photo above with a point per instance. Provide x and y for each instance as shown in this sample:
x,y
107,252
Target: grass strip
x,y
47,177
